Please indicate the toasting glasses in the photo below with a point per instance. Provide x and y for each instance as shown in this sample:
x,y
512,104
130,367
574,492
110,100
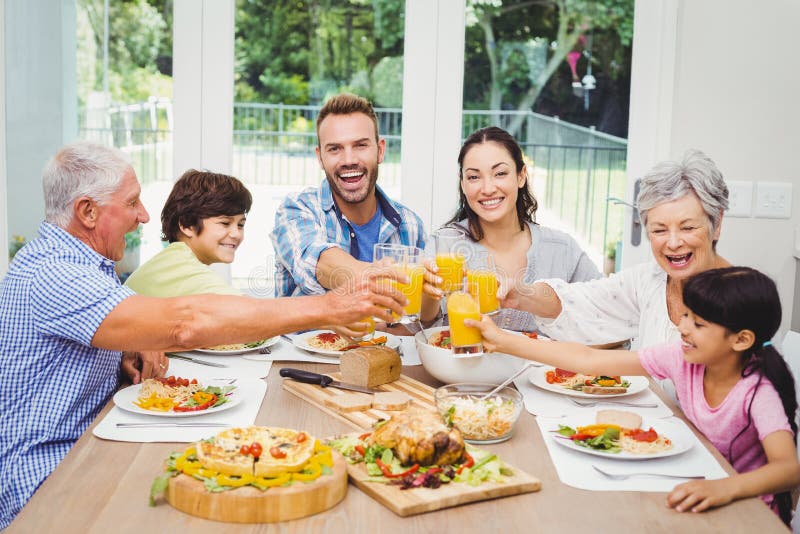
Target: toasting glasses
x,y
408,260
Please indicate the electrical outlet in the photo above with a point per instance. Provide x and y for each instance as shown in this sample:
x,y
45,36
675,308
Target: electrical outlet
x,y
773,200
740,199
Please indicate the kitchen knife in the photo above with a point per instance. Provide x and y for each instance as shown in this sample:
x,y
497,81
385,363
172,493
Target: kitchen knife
x,y
193,360
321,380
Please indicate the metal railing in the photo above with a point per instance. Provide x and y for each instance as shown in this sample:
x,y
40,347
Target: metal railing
x,y
577,168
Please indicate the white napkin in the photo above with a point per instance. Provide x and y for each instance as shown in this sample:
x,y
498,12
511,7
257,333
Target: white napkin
x,y
550,404
236,365
574,468
251,389
284,351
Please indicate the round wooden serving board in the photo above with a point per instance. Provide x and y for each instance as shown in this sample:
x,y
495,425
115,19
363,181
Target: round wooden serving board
x,y
251,505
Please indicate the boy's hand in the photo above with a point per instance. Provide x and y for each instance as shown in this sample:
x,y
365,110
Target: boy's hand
x,y
700,495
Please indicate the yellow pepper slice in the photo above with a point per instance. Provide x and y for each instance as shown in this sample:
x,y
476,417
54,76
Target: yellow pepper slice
x,y
273,482
244,480
319,447
207,473
314,471
606,382
323,458
595,430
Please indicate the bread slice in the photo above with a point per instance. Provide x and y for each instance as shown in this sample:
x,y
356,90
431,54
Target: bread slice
x,y
604,390
619,418
390,400
350,402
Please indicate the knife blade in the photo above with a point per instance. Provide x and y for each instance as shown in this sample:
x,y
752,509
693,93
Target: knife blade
x,y
193,360
325,381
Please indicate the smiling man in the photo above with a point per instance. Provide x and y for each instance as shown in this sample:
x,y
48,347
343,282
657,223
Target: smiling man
x,y
324,236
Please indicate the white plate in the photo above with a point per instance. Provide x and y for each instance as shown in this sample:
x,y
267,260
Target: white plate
x,y
125,398
266,343
538,378
680,435
301,342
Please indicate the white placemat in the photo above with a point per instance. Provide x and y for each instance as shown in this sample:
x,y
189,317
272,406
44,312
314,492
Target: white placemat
x,y
284,351
244,414
235,366
574,468
550,404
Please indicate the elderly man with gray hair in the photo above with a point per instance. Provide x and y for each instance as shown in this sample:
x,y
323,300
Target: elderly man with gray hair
x,y
65,318
681,206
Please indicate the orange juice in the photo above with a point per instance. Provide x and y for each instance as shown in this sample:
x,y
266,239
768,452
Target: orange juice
x,y
370,331
451,270
413,289
460,306
483,286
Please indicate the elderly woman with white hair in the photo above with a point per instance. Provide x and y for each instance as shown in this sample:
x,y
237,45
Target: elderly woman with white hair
x,y
681,206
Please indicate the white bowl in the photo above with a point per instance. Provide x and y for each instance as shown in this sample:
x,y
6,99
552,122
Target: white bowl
x,y
492,367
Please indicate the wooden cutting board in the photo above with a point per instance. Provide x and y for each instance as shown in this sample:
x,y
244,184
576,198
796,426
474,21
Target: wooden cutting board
x,y
251,505
421,395
420,500
417,500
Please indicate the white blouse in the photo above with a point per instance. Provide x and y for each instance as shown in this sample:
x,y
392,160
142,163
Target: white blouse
x,y
628,304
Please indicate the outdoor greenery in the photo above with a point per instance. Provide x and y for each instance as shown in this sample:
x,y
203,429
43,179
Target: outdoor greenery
x,y
302,51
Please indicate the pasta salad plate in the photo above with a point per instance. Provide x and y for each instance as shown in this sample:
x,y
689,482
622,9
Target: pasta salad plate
x,y
656,438
177,397
329,343
233,349
587,386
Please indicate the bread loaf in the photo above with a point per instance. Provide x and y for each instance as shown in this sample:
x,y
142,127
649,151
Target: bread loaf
x,y
370,366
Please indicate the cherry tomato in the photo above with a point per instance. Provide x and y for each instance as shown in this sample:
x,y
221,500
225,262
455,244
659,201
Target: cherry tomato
x,y
256,449
244,449
277,452
194,381
301,437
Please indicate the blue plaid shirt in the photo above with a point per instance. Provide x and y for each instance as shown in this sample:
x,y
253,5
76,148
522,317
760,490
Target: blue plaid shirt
x,y
309,223
53,383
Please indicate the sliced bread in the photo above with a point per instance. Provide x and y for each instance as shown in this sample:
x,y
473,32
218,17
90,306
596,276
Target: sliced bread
x,y
390,400
619,418
350,402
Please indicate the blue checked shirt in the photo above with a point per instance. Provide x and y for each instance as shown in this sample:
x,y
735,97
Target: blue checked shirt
x,y
53,383
309,223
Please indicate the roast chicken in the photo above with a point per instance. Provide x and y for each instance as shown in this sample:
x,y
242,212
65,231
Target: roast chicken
x,y
420,437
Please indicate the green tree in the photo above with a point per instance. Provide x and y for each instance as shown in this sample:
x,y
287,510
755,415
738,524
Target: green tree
x,y
561,22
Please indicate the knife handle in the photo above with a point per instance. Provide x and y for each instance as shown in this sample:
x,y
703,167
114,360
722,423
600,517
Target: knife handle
x,y
306,376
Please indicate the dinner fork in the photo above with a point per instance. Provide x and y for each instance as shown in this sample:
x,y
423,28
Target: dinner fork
x,y
589,404
264,350
625,476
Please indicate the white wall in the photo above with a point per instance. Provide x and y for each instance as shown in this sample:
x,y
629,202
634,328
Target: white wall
x,y
3,195
724,80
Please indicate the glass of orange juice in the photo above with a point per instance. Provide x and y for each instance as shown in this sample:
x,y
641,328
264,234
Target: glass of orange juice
x,y
464,339
450,258
408,260
482,282
369,332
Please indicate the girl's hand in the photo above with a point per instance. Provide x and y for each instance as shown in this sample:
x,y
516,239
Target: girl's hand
x,y
492,335
700,495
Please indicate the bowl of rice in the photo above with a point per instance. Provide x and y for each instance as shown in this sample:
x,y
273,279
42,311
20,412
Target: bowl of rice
x,y
480,421
438,359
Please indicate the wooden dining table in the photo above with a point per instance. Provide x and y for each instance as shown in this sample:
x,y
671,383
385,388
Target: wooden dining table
x,y
103,486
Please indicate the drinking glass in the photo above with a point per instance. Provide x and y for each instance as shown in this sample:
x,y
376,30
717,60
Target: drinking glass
x,y
482,282
369,332
408,260
464,339
450,257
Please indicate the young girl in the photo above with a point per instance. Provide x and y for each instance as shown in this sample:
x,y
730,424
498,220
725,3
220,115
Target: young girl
x,y
730,381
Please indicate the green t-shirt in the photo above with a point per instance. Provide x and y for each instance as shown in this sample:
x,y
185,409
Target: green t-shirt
x,y
176,272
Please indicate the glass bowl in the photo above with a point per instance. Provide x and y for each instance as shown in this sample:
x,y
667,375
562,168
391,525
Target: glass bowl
x,y
480,421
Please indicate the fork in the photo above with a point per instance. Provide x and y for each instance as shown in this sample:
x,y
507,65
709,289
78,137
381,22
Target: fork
x,y
625,476
589,404
264,350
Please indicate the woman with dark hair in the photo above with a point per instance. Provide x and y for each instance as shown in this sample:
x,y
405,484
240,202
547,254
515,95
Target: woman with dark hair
x,y
497,213
203,221
731,382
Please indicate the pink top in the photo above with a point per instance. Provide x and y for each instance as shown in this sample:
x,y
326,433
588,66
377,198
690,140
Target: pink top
x,y
722,423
